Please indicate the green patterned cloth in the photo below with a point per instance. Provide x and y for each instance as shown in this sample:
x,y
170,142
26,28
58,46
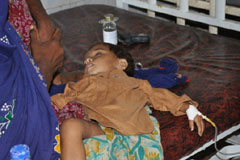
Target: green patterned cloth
x,y
114,146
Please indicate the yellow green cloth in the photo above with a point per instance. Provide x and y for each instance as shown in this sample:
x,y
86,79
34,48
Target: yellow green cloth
x,y
114,146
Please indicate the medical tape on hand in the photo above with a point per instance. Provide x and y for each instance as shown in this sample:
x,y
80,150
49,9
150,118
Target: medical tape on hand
x,y
192,112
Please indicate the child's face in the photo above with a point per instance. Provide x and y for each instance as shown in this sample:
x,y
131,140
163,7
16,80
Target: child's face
x,y
100,59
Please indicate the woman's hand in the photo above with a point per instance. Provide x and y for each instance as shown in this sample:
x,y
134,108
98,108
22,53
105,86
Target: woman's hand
x,y
44,23
46,29
48,55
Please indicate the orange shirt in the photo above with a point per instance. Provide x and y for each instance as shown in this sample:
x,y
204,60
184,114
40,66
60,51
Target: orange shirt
x,y
117,101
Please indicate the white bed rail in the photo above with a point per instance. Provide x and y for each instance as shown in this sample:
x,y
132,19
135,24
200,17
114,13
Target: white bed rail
x,y
211,12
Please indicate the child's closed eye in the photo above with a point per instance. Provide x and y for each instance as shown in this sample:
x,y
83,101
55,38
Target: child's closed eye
x,y
98,54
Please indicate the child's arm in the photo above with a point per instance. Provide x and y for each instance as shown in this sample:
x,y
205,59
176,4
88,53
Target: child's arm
x,y
165,100
179,105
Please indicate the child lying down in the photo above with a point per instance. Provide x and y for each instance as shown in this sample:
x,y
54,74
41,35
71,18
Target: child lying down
x,y
111,97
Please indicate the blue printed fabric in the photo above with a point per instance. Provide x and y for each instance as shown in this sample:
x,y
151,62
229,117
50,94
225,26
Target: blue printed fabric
x,y
26,115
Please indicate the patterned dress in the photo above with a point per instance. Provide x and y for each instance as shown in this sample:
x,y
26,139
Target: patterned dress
x,y
114,146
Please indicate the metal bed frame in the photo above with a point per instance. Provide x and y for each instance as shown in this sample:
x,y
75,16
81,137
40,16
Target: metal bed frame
x,y
214,13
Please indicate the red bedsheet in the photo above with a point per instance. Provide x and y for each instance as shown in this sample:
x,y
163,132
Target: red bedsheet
x,y
211,62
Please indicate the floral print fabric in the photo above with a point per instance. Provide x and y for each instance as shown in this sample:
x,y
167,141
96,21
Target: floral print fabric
x,y
114,146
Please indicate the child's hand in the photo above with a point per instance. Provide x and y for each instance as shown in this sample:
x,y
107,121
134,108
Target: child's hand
x,y
195,116
199,122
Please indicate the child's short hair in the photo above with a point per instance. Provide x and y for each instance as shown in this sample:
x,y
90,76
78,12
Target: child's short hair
x,y
122,53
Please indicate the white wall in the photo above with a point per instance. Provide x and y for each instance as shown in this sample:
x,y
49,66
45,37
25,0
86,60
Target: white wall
x,y
52,6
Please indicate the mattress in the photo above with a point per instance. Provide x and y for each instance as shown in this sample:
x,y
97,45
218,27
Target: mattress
x,y
211,62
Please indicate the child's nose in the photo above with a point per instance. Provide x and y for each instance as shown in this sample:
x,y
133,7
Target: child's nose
x,y
88,60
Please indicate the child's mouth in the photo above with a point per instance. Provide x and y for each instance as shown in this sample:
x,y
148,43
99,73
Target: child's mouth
x,y
88,67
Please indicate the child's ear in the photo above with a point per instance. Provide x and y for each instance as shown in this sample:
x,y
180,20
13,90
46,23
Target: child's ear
x,y
122,64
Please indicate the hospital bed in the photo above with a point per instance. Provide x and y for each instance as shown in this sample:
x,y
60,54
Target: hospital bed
x,y
212,63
